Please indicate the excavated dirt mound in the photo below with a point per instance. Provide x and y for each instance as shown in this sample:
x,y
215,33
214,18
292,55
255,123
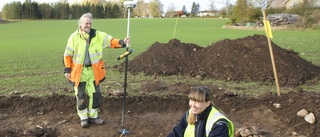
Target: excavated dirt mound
x,y
245,59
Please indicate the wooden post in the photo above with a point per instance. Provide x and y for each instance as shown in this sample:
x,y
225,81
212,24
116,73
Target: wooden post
x,y
271,53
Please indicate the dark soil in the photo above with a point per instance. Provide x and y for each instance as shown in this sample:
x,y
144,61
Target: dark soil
x,y
245,59
149,116
154,115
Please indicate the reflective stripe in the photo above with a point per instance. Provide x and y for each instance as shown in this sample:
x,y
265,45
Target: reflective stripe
x,y
93,113
95,61
213,116
106,39
96,54
76,61
77,55
70,49
67,54
83,114
212,120
96,57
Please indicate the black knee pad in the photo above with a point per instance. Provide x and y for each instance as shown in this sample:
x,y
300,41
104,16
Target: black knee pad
x,y
96,100
82,96
81,104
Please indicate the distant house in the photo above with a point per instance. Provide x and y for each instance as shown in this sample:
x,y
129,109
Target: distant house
x,y
293,3
278,4
205,13
287,4
316,3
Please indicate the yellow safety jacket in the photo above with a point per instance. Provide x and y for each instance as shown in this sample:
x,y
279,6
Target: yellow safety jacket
x,y
75,53
214,115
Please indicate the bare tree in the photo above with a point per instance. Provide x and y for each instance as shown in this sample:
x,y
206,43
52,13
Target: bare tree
x,y
141,9
226,3
171,7
92,1
212,5
171,11
261,3
155,8
312,3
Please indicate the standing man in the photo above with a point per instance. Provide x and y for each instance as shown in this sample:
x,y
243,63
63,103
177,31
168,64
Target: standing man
x,y
202,119
85,69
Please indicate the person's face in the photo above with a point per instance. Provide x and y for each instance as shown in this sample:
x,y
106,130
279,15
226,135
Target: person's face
x,y
85,25
198,107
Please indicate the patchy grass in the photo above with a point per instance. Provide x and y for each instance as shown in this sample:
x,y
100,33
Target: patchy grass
x,y
31,52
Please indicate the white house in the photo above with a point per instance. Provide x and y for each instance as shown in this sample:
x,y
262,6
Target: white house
x,y
276,4
205,13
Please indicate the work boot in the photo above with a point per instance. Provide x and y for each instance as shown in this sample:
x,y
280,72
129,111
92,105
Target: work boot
x,y
98,121
84,123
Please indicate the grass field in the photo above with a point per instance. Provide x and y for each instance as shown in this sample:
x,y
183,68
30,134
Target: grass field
x,y
31,51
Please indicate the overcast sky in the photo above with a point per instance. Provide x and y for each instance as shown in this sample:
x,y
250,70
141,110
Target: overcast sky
x,y
204,4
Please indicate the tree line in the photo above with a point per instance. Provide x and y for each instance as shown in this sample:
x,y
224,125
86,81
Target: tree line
x,y
63,10
60,10
99,8
242,11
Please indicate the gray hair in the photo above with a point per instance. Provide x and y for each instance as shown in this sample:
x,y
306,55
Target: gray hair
x,y
86,15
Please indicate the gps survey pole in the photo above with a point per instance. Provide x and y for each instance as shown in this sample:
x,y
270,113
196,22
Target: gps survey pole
x,y
128,5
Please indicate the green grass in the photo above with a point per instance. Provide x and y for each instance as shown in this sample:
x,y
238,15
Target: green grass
x,y
31,51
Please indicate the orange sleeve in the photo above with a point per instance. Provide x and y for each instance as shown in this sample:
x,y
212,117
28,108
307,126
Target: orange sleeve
x,y
67,61
115,43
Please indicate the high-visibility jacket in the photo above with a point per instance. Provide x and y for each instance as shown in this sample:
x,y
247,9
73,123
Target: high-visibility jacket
x,y
75,53
213,117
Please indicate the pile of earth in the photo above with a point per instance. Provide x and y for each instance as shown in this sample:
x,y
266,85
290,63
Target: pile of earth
x,y
243,59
